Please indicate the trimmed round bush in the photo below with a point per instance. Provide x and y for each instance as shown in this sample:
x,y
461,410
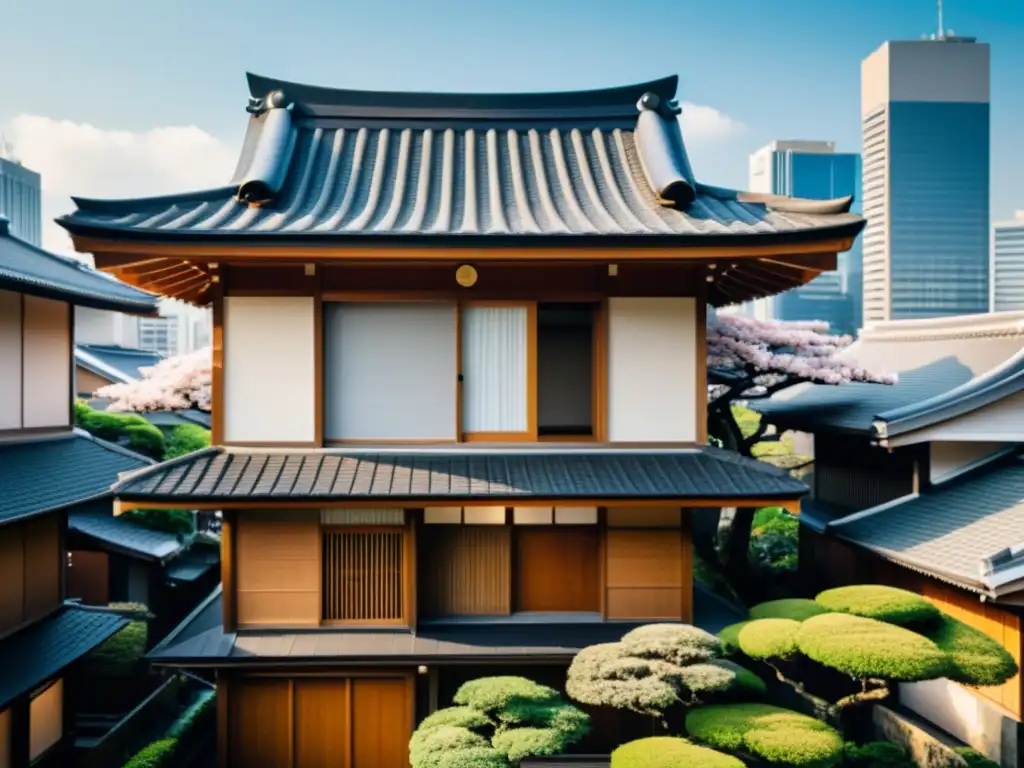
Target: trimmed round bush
x,y
680,644
747,685
975,658
459,717
730,637
772,734
670,752
875,601
864,648
770,639
490,693
795,608
877,754
449,746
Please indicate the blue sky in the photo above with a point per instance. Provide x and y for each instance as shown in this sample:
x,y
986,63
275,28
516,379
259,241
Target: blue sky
x,y
775,68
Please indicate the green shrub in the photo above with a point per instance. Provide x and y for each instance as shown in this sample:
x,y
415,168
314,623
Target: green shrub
x,y
770,733
877,754
159,754
177,521
794,608
975,658
201,715
676,643
128,428
746,685
730,637
670,752
974,758
775,520
493,693
118,655
875,601
449,746
145,439
770,639
866,648
459,717
185,439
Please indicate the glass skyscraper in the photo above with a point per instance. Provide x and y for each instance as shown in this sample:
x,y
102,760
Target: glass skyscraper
x,y
21,201
813,169
925,120
1008,264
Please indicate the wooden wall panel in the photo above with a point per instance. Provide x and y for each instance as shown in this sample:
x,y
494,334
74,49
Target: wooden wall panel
x,y
88,577
12,577
46,361
87,382
467,571
557,568
644,517
364,576
322,715
11,353
278,569
43,565
381,722
648,573
1000,625
259,724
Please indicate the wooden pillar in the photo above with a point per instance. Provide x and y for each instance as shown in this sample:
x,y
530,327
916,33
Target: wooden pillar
x,y
223,725
217,362
686,559
229,529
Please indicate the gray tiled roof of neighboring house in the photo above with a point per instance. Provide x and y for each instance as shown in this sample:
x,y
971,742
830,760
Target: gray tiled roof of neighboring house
x,y
221,474
327,164
956,530
41,650
132,539
47,474
200,639
945,367
24,268
118,364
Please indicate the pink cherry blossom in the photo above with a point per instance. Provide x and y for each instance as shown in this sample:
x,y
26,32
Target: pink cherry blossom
x,y
176,383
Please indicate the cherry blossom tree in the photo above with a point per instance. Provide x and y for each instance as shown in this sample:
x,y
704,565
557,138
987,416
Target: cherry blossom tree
x,y
752,359
176,383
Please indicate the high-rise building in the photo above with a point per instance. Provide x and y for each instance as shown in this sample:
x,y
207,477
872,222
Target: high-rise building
x,y
813,169
1008,264
21,200
925,121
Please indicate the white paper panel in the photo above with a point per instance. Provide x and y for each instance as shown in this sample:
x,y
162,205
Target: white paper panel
x,y
494,360
531,515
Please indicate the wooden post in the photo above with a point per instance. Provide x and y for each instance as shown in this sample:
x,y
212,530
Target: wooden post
x,y
227,569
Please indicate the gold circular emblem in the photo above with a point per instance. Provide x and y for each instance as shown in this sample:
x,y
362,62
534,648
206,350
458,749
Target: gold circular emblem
x,y
466,276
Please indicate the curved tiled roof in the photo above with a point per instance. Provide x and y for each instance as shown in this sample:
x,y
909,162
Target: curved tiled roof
x,y
24,268
116,363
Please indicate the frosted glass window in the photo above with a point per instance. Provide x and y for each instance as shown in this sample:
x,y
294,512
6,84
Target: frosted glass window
x,y
484,515
46,720
576,515
5,739
442,515
494,369
531,515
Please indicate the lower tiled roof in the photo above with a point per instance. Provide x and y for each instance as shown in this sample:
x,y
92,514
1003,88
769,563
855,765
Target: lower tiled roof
x,y
38,476
38,652
220,474
100,525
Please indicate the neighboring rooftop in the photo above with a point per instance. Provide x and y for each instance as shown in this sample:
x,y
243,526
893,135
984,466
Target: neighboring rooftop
x,y
968,531
53,473
946,367
219,473
115,363
98,523
24,268
608,167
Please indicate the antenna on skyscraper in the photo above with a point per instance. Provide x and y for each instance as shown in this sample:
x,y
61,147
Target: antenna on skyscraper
x,y
7,150
942,32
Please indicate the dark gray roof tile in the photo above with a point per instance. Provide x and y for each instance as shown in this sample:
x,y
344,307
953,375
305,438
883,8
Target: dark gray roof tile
x,y
470,474
102,526
116,363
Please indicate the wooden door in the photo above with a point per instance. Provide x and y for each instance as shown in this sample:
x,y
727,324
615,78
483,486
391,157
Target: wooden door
x,y
259,724
88,577
322,723
381,721
557,568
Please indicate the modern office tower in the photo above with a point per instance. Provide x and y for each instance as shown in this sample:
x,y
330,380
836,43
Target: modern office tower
x,y
813,169
1008,264
925,121
21,199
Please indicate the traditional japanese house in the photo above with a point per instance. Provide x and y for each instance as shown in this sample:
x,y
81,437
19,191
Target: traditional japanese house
x,y
482,319
46,468
921,485
98,365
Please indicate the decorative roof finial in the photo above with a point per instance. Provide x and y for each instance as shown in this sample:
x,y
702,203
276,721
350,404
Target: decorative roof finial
x,y
5,225
654,102
273,100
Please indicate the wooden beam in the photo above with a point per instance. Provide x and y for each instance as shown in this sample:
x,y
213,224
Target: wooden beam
x,y
217,365
229,584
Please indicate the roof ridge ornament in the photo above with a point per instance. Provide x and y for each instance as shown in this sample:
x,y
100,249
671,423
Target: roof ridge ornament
x,y
273,100
274,146
667,108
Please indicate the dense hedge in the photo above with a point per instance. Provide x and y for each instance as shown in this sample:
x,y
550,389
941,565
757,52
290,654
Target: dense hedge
x,y
119,655
185,439
730,637
863,648
877,754
795,608
772,734
875,601
159,754
770,639
670,752
974,758
975,658
128,429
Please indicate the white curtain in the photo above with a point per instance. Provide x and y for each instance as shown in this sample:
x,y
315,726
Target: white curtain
x,y
494,358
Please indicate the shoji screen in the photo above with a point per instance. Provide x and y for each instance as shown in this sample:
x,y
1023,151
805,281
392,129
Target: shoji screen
x,y
498,360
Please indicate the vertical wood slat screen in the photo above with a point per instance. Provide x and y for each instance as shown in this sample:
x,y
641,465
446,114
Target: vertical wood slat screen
x,y
494,369
363,576
469,572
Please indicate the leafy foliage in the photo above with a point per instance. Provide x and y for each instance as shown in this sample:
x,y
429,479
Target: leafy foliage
x,y
770,639
747,685
877,754
119,655
670,752
794,608
202,715
876,601
159,754
974,758
185,439
497,721
652,668
770,733
730,637
975,658
867,648
127,429
177,521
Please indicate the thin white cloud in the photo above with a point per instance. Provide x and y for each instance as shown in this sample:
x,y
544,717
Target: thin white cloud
x,y
703,124
82,160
